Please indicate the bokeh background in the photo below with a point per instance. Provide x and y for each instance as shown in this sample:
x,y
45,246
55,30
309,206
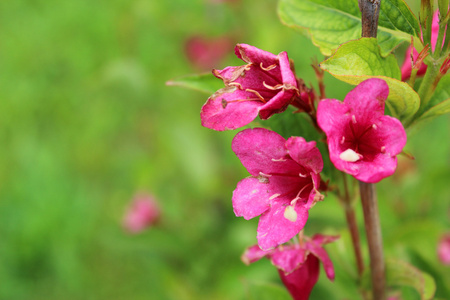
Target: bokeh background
x,y
87,122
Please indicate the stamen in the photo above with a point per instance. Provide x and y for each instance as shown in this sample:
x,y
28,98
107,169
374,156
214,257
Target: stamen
x,y
353,119
279,159
265,175
383,149
271,67
290,214
374,126
302,175
257,95
343,140
274,196
350,156
273,88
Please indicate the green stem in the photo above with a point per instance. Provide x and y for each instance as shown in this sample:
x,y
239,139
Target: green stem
x,y
428,84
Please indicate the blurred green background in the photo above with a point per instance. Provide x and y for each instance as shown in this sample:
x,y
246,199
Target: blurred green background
x,y
87,121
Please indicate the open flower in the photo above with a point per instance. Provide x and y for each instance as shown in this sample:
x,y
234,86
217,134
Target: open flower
x,y
143,212
264,86
283,186
297,264
363,142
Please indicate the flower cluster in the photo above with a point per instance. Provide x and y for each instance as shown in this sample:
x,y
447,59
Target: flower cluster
x,y
285,181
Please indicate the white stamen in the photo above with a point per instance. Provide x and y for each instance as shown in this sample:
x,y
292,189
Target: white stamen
x,y
279,159
374,126
290,214
353,119
301,175
274,196
350,156
254,192
343,140
383,149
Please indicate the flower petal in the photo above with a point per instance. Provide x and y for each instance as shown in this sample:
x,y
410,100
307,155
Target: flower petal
x,y
262,150
332,116
251,54
321,254
250,198
305,153
301,282
382,166
390,135
361,99
289,258
254,253
275,227
228,109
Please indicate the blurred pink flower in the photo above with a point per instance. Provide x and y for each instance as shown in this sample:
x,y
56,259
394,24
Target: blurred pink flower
x,y
206,53
363,142
283,186
264,86
297,264
406,67
444,249
142,213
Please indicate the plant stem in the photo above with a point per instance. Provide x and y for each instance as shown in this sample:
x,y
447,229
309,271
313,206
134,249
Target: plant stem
x,y
370,10
353,227
374,239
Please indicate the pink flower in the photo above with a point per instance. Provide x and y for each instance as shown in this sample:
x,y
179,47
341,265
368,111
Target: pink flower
x,y
297,264
363,142
205,53
406,67
264,86
283,186
143,212
444,249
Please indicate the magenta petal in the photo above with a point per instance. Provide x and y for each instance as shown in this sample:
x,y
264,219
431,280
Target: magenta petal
x,y
372,172
332,116
321,254
301,282
391,134
261,150
223,112
305,153
250,198
285,67
274,228
251,54
367,99
254,253
288,259
277,104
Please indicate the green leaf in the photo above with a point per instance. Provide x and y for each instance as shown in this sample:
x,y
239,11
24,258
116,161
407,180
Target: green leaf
x,y
206,83
399,273
437,110
266,291
329,23
358,60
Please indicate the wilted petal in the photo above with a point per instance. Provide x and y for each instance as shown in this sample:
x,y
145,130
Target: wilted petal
x,y
251,54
